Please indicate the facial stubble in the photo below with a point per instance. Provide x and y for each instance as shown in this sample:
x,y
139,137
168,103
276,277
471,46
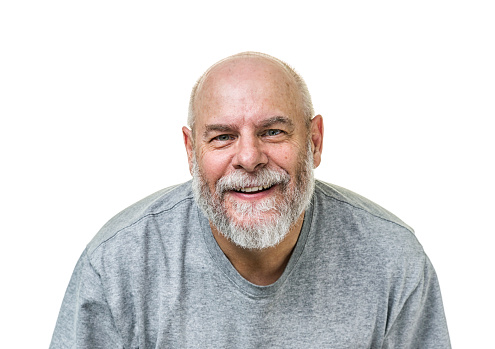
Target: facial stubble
x,y
266,222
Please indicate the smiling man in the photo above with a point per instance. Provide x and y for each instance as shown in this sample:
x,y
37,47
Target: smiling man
x,y
253,252
251,153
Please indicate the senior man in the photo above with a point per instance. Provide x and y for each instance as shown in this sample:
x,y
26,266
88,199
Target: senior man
x,y
253,252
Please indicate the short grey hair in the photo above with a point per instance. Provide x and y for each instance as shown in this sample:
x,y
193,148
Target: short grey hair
x,y
307,104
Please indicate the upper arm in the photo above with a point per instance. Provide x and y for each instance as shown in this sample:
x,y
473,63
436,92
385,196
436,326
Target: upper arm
x,y
421,321
85,319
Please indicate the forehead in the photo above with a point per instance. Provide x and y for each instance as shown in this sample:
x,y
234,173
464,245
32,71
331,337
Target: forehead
x,y
246,87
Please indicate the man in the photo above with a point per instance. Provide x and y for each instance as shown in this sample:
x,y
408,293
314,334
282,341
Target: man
x,y
253,252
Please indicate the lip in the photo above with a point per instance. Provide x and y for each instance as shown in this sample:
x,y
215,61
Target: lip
x,y
253,196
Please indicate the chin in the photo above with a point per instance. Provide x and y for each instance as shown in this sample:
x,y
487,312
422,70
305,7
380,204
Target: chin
x,y
259,211
253,220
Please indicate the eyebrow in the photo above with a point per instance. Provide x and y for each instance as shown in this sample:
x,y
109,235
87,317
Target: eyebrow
x,y
277,120
217,128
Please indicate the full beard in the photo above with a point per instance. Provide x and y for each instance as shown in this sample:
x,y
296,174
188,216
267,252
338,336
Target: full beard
x,y
266,222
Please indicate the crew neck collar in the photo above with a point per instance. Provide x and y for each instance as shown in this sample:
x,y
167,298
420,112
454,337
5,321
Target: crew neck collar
x,y
247,287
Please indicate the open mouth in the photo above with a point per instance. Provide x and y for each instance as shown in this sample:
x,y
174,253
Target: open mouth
x,y
253,190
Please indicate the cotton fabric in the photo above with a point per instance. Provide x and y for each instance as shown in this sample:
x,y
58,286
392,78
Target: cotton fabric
x,y
154,277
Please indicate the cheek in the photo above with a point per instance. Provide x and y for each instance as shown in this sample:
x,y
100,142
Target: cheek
x,y
286,158
213,166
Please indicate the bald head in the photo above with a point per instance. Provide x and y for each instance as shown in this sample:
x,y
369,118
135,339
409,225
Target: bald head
x,y
251,71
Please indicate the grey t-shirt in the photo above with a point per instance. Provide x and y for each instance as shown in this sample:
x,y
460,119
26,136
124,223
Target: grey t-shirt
x,y
154,277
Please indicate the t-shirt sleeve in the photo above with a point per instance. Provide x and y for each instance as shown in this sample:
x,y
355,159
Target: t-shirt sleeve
x,y
85,319
421,322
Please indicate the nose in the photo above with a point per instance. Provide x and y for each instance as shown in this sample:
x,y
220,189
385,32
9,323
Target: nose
x,y
249,154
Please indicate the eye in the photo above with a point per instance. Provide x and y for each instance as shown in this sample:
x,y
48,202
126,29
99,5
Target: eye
x,y
273,132
223,138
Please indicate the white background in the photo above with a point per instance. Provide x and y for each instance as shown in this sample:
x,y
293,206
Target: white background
x,y
93,95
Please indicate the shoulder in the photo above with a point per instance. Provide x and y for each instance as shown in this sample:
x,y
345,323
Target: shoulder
x,y
355,202
357,224
166,203
365,242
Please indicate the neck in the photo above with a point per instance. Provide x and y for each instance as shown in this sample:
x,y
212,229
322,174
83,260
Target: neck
x,y
260,267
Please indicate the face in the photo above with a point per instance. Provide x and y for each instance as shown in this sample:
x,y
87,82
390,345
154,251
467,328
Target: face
x,y
252,158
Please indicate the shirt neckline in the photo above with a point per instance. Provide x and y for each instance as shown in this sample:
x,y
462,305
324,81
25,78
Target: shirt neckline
x,y
233,275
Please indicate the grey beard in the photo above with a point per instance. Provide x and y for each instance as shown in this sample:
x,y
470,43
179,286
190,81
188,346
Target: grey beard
x,y
260,232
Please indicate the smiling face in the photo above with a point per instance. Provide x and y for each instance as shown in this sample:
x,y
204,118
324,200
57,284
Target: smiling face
x,y
252,155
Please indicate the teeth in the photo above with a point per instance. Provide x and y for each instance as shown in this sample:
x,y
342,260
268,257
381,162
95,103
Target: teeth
x,y
252,189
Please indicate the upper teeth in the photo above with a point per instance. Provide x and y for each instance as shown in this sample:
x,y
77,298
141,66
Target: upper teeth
x,y
249,190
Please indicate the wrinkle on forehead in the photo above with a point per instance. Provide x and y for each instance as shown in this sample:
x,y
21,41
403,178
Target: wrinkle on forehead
x,y
248,74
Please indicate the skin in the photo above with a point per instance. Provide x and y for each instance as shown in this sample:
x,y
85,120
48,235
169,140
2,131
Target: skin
x,y
248,115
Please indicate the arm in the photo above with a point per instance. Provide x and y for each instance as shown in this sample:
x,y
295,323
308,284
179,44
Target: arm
x,y
85,320
421,322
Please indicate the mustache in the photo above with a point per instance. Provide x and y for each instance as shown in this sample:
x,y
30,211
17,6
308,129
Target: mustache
x,y
241,179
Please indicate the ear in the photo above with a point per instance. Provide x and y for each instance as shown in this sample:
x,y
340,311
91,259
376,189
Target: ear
x,y
188,142
317,139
